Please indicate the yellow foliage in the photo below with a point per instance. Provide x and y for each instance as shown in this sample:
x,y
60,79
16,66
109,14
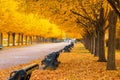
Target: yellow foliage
x,y
8,5
37,17
30,24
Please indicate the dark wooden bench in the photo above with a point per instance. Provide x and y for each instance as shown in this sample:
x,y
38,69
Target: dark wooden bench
x,y
50,61
24,73
68,47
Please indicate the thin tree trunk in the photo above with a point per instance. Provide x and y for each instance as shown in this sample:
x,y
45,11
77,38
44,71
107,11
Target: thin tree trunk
x,y
93,50
30,39
43,39
1,39
89,39
18,39
33,38
26,39
91,46
111,42
101,48
119,44
97,45
8,39
40,39
37,39
84,42
13,35
21,39
87,42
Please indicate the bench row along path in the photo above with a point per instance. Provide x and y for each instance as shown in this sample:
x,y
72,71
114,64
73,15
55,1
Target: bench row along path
x,y
15,56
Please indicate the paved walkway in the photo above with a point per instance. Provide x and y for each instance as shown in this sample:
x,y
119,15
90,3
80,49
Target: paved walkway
x,y
14,56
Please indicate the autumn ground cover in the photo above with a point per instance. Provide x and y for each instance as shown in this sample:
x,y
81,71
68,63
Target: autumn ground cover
x,y
77,65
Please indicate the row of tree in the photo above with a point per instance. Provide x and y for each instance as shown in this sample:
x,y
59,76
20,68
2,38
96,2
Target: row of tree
x,y
87,18
90,18
17,39
95,40
13,21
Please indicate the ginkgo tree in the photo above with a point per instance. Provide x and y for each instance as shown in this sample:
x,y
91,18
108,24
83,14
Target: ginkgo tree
x,y
57,12
14,21
92,14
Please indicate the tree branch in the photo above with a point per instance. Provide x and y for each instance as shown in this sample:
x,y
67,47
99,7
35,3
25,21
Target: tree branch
x,y
80,15
92,21
106,28
78,21
114,7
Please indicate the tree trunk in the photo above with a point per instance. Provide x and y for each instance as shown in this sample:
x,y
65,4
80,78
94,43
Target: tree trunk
x,y
37,39
97,45
21,39
8,39
118,43
13,35
111,41
30,39
18,39
101,35
1,39
89,42
101,47
84,42
26,39
94,45
43,39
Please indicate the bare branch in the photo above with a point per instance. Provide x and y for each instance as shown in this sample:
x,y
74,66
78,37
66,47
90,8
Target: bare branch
x,y
84,10
106,28
79,15
92,21
114,7
78,21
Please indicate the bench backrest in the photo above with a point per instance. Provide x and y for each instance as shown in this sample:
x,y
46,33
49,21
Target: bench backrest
x,y
24,73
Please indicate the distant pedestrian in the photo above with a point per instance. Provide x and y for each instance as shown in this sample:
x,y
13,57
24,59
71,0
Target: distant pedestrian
x,y
69,41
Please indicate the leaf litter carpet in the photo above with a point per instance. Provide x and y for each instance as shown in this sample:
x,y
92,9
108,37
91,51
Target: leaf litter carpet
x,y
79,64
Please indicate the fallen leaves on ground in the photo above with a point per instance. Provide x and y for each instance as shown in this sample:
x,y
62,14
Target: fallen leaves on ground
x,y
77,65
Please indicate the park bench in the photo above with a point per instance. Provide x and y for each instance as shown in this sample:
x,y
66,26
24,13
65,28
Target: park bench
x,y
72,45
24,73
68,47
50,61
